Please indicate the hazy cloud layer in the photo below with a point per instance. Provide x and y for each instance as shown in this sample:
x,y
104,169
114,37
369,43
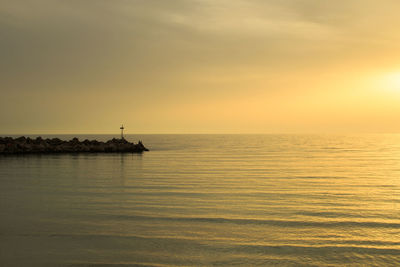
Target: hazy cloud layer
x,y
171,66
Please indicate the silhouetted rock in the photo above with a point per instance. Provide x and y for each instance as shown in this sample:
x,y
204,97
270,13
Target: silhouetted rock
x,y
21,139
55,141
23,145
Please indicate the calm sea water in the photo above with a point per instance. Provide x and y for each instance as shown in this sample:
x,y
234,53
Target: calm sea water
x,y
201,200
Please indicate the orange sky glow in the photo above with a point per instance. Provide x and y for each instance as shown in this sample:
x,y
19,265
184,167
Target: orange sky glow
x,y
201,66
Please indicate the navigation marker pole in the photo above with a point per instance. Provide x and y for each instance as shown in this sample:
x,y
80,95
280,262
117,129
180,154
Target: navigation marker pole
x,y
122,131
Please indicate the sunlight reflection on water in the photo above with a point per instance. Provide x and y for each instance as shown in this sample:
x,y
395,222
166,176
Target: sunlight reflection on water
x,y
207,200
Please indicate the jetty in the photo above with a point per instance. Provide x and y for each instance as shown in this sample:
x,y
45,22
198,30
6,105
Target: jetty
x,y
26,145
38,145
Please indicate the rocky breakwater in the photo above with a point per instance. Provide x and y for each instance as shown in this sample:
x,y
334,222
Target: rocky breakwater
x,y
26,145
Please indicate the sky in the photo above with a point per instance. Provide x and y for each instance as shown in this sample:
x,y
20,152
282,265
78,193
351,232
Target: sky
x,y
199,66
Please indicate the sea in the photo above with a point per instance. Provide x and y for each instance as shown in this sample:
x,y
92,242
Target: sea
x,y
206,200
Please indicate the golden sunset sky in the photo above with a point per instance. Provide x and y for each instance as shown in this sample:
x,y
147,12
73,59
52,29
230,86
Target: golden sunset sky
x,y
201,66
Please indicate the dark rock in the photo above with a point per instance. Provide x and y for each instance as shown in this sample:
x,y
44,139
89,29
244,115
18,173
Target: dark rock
x,y
21,139
8,140
21,145
75,140
55,141
141,146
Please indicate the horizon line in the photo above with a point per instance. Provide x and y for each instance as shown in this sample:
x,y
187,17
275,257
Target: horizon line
x,y
261,133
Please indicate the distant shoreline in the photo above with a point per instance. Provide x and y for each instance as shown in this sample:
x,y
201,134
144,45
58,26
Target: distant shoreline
x,y
27,145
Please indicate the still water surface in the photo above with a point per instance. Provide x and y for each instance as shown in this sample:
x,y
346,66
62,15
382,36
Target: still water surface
x,y
201,200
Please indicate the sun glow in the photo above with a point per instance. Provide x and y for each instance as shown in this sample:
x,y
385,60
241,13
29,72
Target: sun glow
x,y
391,82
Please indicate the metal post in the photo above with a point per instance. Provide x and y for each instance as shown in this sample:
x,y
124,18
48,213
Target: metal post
x,y
122,131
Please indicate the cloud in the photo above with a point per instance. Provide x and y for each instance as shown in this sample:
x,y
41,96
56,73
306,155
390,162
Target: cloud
x,y
181,51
